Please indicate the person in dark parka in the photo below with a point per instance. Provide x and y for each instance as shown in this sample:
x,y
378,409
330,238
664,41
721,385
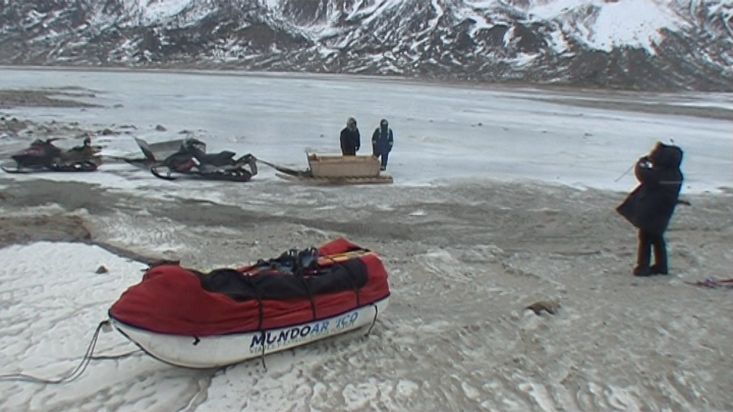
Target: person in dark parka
x,y
382,142
350,138
650,205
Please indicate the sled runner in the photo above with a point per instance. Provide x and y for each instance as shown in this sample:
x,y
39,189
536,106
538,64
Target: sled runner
x,y
336,180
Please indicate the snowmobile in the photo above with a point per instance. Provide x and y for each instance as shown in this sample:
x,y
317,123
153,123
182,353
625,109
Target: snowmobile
x,y
192,160
42,155
154,153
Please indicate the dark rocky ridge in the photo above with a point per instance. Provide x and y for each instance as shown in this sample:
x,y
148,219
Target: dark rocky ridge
x,y
440,39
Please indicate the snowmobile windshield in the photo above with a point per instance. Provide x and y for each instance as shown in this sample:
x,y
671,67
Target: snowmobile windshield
x,y
194,145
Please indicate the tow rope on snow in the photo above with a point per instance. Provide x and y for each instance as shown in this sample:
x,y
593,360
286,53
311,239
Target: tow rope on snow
x,y
76,373
78,370
714,283
286,170
376,312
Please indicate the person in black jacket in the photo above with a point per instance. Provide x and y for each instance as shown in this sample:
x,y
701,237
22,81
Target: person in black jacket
x,y
382,142
649,207
350,139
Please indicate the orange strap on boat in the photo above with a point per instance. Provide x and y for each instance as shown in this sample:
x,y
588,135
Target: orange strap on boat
x,y
342,257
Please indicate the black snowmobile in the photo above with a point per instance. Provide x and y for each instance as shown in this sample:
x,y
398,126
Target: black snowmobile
x,y
192,160
42,155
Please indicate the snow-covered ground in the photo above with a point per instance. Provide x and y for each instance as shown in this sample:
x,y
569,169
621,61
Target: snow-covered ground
x,y
441,132
485,217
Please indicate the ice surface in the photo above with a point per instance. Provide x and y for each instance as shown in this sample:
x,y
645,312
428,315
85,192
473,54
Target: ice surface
x,y
441,132
465,251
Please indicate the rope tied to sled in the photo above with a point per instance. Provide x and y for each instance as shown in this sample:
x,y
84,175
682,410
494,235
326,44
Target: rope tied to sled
x,y
75,373
301,264
374,320
354,286
351,276
260,317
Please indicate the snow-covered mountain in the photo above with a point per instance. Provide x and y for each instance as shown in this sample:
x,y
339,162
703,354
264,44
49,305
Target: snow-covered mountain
x,y
637,44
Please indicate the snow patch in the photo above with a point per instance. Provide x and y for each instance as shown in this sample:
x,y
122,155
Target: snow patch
x,y
523,59
154,10
604,25
558,42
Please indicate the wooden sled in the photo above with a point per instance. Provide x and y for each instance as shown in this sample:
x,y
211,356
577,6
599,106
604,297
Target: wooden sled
x,y
336,180
336,170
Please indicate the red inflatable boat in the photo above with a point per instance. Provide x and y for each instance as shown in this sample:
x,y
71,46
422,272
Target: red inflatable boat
x,y
203,320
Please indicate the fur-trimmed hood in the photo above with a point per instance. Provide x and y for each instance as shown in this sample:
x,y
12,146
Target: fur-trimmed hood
x,y
666,156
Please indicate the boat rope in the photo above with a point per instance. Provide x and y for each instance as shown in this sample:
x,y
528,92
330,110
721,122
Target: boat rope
x,y
260,318
299,275
353,283
304,262
350,276
118,356
78,370
262,354
374,320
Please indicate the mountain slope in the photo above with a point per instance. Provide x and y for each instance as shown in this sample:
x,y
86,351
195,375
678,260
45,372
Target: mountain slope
x,y
636,44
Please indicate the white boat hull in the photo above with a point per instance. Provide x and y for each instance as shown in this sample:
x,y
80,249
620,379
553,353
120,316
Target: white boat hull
x,y
220,350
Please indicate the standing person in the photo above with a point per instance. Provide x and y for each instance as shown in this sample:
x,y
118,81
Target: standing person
x,y
649,207
350,138
382,141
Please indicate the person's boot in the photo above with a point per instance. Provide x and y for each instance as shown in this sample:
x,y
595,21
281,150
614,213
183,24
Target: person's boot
x,y
642,271
659,270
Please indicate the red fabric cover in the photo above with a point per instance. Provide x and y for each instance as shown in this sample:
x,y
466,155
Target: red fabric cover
x,y
170,300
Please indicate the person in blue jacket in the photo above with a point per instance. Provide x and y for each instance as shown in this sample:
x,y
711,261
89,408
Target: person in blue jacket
x,y
382,142
649,207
